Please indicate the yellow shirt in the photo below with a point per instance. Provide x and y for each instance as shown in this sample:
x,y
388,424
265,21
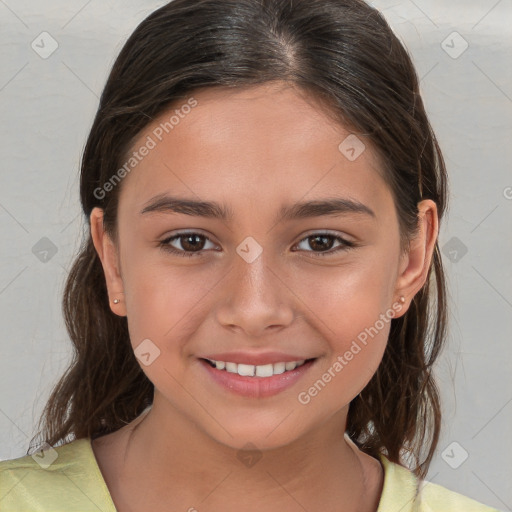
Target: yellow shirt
x,y
69,480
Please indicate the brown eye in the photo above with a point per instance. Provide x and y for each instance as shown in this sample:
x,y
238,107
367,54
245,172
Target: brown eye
x,y
322,243
192,244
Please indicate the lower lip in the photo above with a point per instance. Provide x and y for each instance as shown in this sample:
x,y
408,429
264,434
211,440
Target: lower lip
x,y
257,387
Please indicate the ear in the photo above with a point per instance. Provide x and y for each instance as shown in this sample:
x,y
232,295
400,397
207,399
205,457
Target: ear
x,y
107,253
415,264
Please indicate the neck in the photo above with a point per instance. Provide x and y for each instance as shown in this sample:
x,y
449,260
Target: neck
x,y
170,457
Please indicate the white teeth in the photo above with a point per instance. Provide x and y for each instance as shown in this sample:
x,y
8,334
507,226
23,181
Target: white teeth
x,y
291,365
264,370
279,368
232,367
246,370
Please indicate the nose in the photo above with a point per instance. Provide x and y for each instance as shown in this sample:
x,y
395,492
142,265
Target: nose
x,y
255,298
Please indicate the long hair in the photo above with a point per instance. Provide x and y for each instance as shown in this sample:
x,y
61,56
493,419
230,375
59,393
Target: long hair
x,y
343,53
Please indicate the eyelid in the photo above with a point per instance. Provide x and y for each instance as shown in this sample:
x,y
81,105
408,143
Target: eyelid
x,y
343,246
305,235
330,232
181,232
165,243
344,243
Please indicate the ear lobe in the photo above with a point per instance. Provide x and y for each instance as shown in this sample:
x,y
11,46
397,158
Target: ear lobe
x,y
108,255
414,270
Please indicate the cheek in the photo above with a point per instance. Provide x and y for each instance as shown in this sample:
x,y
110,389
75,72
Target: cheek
x,y
351,310
164,306
345,298
354,356
358,358
341,377
163,301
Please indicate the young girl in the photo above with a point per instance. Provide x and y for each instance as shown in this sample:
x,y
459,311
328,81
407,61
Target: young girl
x,y
260,298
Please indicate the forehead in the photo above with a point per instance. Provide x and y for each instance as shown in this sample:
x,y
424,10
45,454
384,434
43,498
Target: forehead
x,y
270,143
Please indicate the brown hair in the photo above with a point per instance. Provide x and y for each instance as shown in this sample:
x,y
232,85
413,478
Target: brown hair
x,y
340,51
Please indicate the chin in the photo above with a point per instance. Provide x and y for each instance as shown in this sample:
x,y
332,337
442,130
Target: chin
x,y
255,435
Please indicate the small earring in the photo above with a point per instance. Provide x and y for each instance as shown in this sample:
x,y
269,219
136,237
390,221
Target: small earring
x,y
116,301
402,299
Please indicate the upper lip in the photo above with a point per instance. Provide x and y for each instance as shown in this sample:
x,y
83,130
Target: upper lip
x,y
256,359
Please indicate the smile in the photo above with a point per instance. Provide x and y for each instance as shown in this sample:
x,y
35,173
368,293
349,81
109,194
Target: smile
x,y
249,370
256,381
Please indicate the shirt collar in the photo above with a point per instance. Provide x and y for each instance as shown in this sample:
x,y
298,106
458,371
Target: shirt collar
x,y
400,488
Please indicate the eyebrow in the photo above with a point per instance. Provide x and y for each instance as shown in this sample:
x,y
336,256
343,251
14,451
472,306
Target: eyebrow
x,y
329,206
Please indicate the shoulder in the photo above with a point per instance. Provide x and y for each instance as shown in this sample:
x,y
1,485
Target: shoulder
x,y
436,497
64,478
403,491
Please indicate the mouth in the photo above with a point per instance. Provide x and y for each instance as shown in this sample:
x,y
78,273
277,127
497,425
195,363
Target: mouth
x,y
256,381
262,371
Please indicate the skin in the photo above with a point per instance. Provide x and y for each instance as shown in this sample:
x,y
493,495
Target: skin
x,y
253,150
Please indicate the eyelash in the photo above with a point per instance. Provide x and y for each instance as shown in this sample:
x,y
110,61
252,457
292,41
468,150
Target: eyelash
x,y
164,244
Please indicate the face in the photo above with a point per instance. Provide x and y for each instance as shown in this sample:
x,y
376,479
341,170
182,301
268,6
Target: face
x,y
317,283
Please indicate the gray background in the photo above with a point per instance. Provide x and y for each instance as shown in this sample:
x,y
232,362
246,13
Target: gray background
x,y
47,106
